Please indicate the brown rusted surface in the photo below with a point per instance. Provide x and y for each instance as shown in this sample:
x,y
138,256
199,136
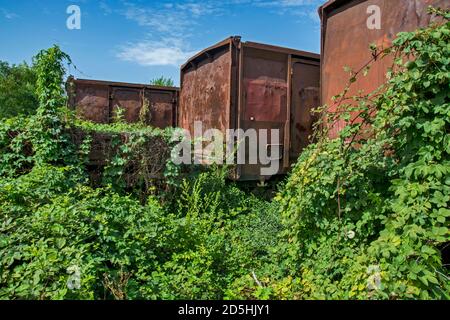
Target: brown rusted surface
x,y
305,96
92,102
97,101
244,85
266,99
161,108
346,40
264,105
130,100
205,94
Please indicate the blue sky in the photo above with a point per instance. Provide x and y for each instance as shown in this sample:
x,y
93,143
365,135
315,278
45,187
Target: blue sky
x,y
136,40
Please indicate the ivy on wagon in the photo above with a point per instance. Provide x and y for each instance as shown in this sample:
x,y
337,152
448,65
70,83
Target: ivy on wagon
x,y
366,215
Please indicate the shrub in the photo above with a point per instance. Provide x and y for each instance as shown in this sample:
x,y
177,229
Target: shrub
x,y
365,215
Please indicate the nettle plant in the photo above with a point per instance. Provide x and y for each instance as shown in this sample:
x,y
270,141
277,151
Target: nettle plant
x,y
366,215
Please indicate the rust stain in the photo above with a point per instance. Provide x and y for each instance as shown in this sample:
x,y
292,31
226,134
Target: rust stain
x,y
97,101
247,85
346,40
266,99
205,92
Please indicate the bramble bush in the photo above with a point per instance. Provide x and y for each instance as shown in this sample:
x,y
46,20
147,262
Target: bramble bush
x,y
362,216
365,215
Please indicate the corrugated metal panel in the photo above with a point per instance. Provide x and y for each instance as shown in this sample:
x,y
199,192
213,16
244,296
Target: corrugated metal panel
x,y
346,40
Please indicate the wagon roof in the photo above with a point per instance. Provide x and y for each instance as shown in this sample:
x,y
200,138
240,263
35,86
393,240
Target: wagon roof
x,y
122,84
204,53
332,4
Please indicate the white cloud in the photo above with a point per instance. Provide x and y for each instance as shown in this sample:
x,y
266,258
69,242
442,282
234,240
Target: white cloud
x,y
201,8
314,16
288,3
299,3
166,19
306,9
177,18
156,53
169,25
8,15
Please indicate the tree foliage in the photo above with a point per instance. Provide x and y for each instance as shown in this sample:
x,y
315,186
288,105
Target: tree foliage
x,y
17,90
162,81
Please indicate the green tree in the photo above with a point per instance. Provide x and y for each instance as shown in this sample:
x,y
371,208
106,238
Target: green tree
x,y
17,90
162,81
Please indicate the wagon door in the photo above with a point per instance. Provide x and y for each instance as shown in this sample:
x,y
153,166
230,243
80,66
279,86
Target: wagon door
x,y
305,79
161,108
129,99
263,104
91,101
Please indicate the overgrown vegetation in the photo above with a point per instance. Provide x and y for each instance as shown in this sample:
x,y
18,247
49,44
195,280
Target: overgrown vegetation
x,y
363,216
80,198
366,215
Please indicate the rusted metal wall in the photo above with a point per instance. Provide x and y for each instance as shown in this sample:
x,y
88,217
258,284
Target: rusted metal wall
x,y
206,89
264,101
305,97
130,99
97,101
163,107
92,101
346,40
246,85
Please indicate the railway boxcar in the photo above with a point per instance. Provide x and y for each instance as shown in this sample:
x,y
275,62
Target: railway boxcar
x,y
97,101
248,85
349,27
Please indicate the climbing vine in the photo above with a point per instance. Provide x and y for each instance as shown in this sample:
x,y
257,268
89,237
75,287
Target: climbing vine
x,y
366,214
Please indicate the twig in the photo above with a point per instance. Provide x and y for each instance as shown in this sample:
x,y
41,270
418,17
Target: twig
x,y
256,279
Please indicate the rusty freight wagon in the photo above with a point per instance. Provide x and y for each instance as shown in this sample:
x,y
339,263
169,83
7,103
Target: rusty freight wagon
x,y
97,101
247,85
346,37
